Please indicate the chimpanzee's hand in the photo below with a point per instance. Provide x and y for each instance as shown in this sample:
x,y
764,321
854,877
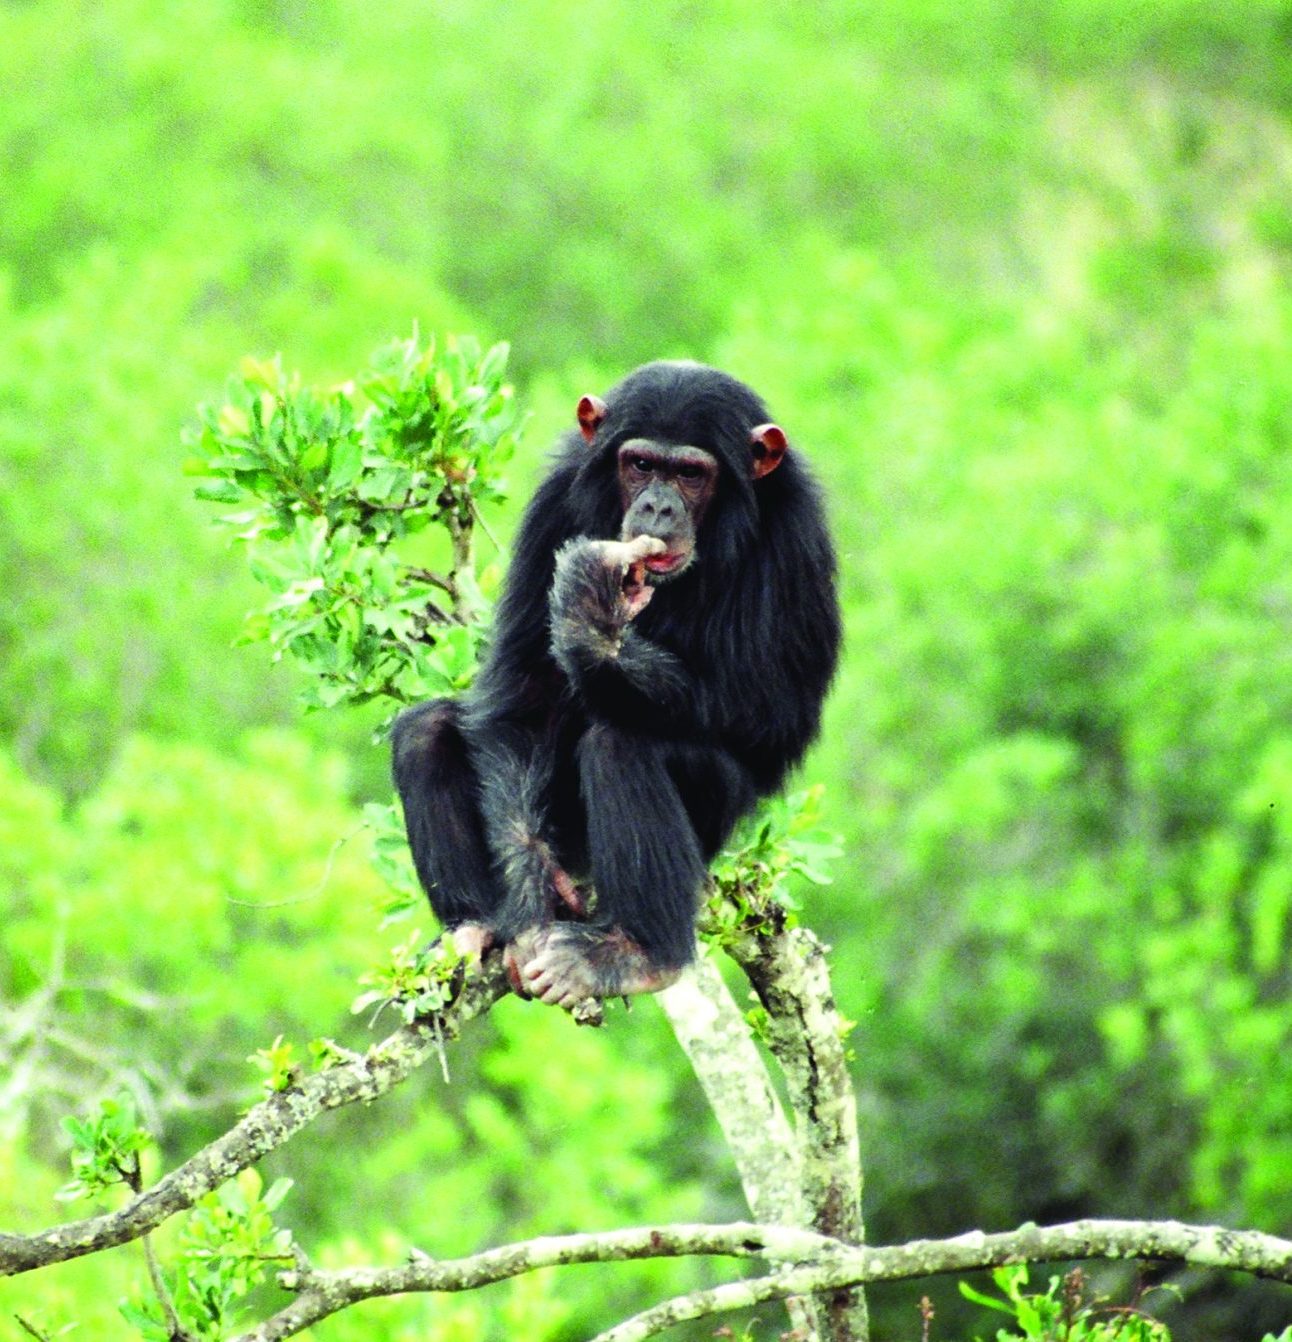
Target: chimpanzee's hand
x,y
599,586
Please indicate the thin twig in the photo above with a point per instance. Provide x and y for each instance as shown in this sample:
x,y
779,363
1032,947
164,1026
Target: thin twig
x,y
310,895
174,1328
484,526
432,579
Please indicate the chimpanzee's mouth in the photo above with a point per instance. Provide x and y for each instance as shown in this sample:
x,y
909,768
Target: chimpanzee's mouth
x,y
669,563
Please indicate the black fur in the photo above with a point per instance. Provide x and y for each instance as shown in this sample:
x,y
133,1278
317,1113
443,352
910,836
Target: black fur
x,y
630,765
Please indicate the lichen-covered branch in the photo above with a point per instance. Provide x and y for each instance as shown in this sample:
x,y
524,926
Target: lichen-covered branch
x,y
1202,1246
323,1293
716,1300
714,1035
816,1265
805,1032
263,1129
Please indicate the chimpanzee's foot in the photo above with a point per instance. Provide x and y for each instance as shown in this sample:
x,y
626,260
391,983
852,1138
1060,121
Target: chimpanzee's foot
x,y
564,963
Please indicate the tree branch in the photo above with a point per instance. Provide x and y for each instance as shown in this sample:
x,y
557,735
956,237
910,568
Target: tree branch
x,y
325,1293
261,1130
805,1032
819,1265
714,1034
1203,1246
716,1300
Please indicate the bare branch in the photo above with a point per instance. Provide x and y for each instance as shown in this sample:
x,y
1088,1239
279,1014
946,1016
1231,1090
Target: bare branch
x,y
263,1129
806,1034
324,1293
819,1265
1172,1241
716,1300
174,1329
459,526
433,579
484,526
714,1035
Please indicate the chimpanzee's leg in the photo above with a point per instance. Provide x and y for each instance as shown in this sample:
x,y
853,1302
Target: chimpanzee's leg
x,y
515,770
648,870
439,789
715,790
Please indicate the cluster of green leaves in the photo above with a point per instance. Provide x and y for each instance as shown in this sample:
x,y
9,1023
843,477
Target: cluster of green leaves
x,y
329,486
417,978
1066,1312
188,877
278,1066
105,1149
228,1245
225,1247
1062,1312
750,886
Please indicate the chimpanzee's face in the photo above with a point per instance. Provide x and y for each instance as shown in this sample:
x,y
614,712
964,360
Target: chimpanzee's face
x,y
665,490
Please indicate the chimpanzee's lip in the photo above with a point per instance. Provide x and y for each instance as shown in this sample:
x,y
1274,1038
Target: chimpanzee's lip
x,y
669,562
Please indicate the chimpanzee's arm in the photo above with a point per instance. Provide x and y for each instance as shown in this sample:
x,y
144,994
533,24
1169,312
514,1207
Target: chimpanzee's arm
x,y
597,590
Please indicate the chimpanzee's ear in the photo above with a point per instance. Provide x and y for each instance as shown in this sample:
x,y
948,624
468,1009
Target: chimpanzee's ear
x,y
769,448
592,410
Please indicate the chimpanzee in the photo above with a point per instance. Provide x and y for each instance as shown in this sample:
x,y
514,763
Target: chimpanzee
x,y
666,633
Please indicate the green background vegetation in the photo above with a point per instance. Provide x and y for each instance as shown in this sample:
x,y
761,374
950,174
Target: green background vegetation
x,y
1014,276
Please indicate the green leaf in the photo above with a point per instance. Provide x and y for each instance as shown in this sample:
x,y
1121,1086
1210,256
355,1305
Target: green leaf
x,y
347,462
987,1301
278,1190
81,1132
222,492
494,364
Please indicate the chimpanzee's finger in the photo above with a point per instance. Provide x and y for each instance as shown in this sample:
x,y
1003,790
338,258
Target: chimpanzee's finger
x,y
623,554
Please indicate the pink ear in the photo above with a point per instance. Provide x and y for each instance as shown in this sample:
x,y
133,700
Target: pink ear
x,y
591,411
769,448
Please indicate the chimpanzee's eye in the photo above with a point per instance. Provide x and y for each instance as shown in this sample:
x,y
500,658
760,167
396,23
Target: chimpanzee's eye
x,y
690,471
642,464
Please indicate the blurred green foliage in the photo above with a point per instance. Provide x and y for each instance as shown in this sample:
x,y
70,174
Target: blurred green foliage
x,y
1016,280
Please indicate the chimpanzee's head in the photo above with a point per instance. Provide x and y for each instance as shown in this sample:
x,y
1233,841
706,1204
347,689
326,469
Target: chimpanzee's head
x,y
675,432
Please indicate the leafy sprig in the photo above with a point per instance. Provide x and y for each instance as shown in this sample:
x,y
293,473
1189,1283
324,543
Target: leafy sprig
x,y
105,1149
358,503
751,878
227,1247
